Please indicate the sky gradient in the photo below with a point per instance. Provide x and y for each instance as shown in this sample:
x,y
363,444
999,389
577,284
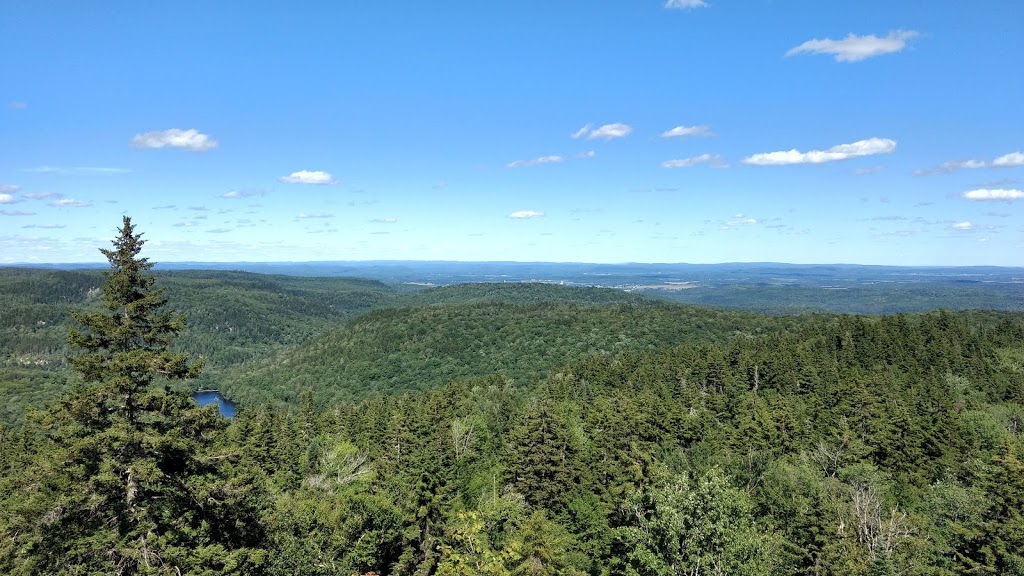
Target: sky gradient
x,y
567,131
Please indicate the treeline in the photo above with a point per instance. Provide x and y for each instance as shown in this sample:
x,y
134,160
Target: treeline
x,y
850,446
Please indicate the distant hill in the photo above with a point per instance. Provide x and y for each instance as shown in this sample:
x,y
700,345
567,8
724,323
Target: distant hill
x,y
517,330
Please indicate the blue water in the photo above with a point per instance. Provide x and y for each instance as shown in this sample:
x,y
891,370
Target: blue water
x,y
226,407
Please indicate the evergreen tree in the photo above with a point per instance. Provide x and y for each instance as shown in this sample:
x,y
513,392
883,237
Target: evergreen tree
x,y
126,484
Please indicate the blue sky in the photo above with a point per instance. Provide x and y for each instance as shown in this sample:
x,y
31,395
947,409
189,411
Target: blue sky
x,y
601,131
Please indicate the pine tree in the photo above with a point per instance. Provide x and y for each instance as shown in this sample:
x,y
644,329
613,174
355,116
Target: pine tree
x,y
126,484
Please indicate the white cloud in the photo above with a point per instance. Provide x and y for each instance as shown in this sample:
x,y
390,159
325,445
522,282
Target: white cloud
x,y
18,105
994,194
687,131
587,154
738,221
580,133
535,161
855,48
609,131
7,199
239,194
16,213
606,132
713,160
70,203
1009,160
526,214
384,220
859,148
963,226
307,216
42,195
309,177
44,226
9,188
685,4
190,139
77,170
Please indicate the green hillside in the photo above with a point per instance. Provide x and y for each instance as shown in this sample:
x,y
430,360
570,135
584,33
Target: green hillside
x,y
418,348
232,317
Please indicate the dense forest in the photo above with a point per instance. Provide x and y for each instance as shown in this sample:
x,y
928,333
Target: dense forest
x,y
501,430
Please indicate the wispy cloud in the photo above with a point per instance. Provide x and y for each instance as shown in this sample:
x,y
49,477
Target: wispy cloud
x,y
739,221
165,207
238,194
17,213
603,132
1011,160
313,215
685,4
710,159
526,214
7,199
42,195
70,203
856,149
17,105
855,48
535,161
384,220
77,170
963,226
191,139
995,194
44,226
9,188
309,177
868,170
688,132
587,154
218,231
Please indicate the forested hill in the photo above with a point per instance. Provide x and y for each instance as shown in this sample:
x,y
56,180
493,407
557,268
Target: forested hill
x,y
417,348
232,317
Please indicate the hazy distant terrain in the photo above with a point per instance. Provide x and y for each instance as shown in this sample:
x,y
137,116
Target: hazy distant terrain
x,y
771,288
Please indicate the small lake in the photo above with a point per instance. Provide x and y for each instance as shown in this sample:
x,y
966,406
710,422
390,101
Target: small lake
x,y
226,407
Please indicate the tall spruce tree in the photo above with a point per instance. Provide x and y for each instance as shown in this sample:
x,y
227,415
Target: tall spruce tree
x,y
127,483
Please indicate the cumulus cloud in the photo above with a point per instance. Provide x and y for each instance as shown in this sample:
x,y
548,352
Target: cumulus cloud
x,y
9,188
190,139
983,194
7,199
1009,160
712,160
605,132
535,161
526,214
963,226
855,48
70,203
16,213
685,4
688,131
856,149
309,177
